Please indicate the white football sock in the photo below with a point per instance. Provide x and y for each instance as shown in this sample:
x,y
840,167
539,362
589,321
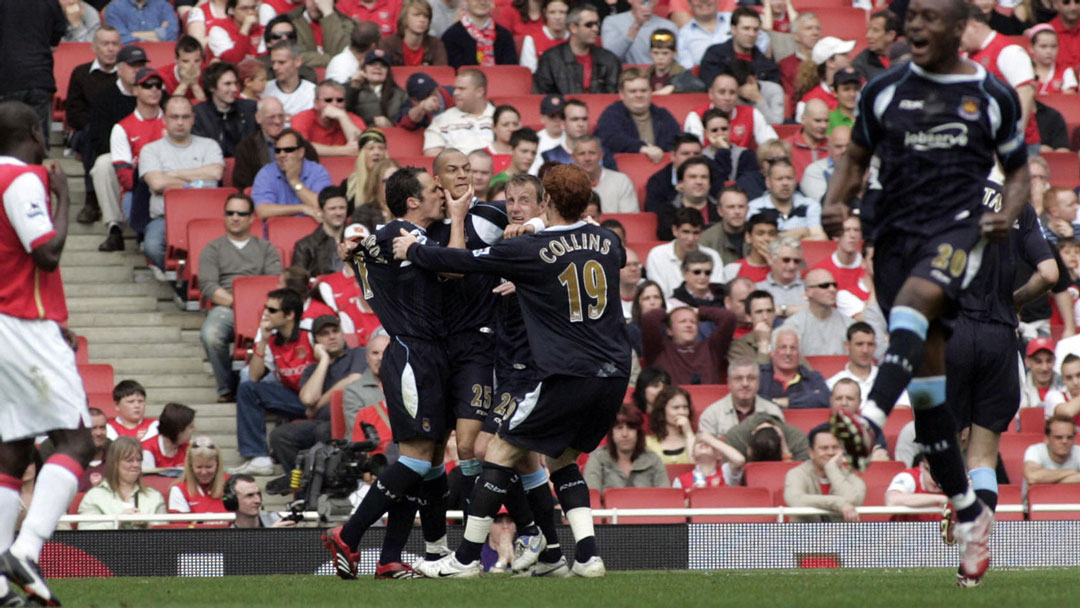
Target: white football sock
x,y
56,486
581,522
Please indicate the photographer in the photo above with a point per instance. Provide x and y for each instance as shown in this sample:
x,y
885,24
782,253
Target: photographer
x,y
245,499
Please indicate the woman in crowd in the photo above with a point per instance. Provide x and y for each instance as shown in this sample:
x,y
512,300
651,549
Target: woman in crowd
x,y
649,383
253,76
378,97
623,461
521,17
202,484
648,297
672,426
506,120
1052,76
412,45
372,144
122,491
553,32
175,428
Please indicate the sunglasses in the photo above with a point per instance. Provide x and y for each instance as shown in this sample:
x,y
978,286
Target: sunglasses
x,y
333,100
700,271
775,159
152,85
826,285
204,444
282,35
791,260
596,24
287,149
272,310
240,213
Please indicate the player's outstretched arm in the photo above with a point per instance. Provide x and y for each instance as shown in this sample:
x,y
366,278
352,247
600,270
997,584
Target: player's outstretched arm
x,y
47,255
502,259
846,181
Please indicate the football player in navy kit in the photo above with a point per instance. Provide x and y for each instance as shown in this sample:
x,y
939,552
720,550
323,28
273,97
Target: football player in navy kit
x,y
566,279
936,124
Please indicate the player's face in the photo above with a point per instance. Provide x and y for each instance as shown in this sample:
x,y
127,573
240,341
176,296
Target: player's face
x,y
861,348
845,396
786,354
781,182
130,467
631,273
98,430
636,95
696,182
132,408
825,447
625,437
724,92
650,299
786,264
851,238
454,174
684,327
577,120
1041,365
676,406
697,277
1070,375
374,353
762,310
687,236
743,382
432,206
179,119
1061,440
521,204
523,155
933,31
733,207
249,497
205,469
335,212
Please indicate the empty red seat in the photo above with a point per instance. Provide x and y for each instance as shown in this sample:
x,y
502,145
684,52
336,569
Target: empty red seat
x,y
73,507
403,142
680,104
1053,494
639,226
704,395
339,167
875,497
720,498
845,23
768,475
1033,420
283,232
646,498
898,419
882,473
443,74
249,297
82,354
816,251
786,131
337,415
1012,448
1069,106
66,57
643,248
506,79
674,470
183,205
160,483
1010,494
827,365
160,54
102,401
806,419
97,377
639,169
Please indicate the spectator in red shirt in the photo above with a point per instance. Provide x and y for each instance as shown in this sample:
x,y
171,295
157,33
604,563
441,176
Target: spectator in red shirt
x,y
131,421
169,449
810,143
202,484
238,37
805,32
1067,26
328,126
915,487
181,77
412,45
384,13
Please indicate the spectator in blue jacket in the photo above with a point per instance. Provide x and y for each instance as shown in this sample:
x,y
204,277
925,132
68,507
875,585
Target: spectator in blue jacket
x,y
143,20
785,382
634,124
745,25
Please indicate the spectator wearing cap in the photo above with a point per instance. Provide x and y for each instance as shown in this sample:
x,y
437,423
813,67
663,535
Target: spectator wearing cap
x,y
425,99
800,217
143,20
317,252
666,76
881,32
744,42
146,124
553,135
629,34
846,86
809,144
289,185
321,31
412,45
477,40
467,126
327,125
224,118
257,149
815,179
761,230
711,26
634,124
816,76
1040,378
294,93
578,65
553,32
346,64
378,97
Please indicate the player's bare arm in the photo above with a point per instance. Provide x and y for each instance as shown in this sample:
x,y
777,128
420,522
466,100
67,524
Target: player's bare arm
x,y
846,181
1044,277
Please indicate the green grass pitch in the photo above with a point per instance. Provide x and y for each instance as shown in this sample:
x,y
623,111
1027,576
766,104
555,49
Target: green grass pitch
x,y
909,588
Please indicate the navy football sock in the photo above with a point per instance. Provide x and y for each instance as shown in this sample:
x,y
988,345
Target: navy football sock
x,y
488,495
517,505
935,432
542,504
433,504
392,485
574,499
901,361
399,524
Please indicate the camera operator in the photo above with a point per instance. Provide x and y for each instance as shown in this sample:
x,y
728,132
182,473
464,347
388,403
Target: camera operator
x,y
244,498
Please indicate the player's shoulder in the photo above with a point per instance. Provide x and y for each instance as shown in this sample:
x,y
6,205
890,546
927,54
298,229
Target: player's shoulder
x,y
892,76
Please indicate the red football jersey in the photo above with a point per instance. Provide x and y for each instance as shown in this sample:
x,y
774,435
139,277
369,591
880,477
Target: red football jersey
x,y
154,447
147,428
27,292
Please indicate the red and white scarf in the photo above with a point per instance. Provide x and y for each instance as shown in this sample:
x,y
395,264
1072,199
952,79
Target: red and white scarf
x,y
485,40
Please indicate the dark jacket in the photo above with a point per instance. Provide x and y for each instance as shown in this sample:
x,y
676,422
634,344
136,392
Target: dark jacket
x,y
868,64
253,154
108,108
659,190
461,47
317,252
560,72
367,105
718,57
434,50
753,184
808,390
336,35
682,79
683,295
83,87
619,133
228,129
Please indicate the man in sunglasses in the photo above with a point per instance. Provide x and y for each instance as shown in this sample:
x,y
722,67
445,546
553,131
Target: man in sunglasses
x,y
291,184
257,150
578,65
821,327
328,126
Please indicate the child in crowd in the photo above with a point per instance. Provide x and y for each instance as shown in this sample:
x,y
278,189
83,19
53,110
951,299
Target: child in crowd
x,y
665,75
130,421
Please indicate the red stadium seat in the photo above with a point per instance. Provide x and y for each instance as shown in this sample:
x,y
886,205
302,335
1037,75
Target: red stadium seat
x,y
1069,106
674,470
646,498
66,57
1010,494
1064,168
806,419
680,104
644,247
897,420
1053,494
97,377
882,473
160,54
786,131
82,354
816,251
103,402
704,395
249,296
768,475
337,415
183,205
160,483
639,226
730,498
1032,420
283,232
845,23
639,169
339,167
595,502
226,178
875,497
199,233
527,105
403,142
320,74
827,365
443,74
1012,448
506,79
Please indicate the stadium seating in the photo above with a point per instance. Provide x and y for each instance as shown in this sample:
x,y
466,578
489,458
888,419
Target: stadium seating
x,y
339,167
674,470
646,498
226,177
806,419
701,498
882,473
1012,448
1064,168
704,395
97,377
875,497
816,251
160,54
786,131
827,365
639,226
768,475
597,103
1033,420
1069,106
183,205
1010,494
160,483
1053,494
283,232
103,402
66,57
897,420
443,74
337,415
639,169
680,104
403,142
249,296
527,105
507,79
643,248
82,355
845,23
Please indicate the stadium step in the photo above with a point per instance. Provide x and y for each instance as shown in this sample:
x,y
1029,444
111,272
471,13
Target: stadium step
x,y
101,275
159,365
128,319
153,289
112,306
102,352
172,380
202,410
203,393
90,242
99,258
141,335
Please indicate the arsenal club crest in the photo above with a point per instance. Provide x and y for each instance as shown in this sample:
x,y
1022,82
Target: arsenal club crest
x,y
739,130
302,351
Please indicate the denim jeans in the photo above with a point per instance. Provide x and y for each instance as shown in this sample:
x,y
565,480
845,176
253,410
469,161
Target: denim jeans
x,y
217,339
154,242
253,400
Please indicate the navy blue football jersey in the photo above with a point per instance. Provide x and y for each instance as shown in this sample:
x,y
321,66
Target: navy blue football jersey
x,y
989,296
407,299
567,280
469,303
511,338
936,137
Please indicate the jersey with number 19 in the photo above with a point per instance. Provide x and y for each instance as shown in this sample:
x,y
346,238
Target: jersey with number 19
x,y
40,388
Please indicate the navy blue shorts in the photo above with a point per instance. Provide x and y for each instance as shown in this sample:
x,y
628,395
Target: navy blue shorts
x,y
472,374
413,374
565,412
983,375
510,390
949,257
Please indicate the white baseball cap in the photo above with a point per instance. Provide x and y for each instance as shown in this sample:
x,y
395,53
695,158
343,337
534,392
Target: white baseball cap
x,y
356,232
829,46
